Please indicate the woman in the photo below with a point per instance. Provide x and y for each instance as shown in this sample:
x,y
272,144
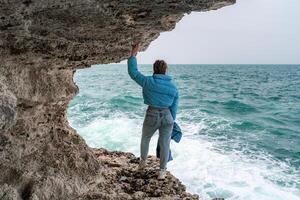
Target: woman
x,y
161,95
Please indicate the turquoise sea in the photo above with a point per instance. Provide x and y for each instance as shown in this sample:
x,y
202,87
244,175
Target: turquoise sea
x,y
241,125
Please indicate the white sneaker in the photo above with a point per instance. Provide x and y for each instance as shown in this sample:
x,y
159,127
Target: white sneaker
x,y
162,174
142,165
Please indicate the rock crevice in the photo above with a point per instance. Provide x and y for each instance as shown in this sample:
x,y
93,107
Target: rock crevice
x,y
42,43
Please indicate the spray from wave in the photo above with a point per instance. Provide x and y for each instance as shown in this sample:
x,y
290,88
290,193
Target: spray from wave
x,y
203,166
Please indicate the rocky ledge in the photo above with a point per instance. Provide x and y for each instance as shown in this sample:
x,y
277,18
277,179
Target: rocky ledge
x,y
124,181
42,43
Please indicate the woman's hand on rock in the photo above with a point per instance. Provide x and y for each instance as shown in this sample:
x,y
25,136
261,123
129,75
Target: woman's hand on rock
x,y
135,49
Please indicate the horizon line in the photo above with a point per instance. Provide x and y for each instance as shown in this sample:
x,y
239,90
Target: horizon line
x,y
206,64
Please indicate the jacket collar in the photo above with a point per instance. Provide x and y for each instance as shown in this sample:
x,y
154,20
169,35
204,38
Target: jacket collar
x,y
162,76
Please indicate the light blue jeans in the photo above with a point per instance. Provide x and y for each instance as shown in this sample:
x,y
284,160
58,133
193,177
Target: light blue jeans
x,y
161,120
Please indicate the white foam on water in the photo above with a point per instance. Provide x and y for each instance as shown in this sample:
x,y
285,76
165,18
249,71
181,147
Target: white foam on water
x,y
232,176
120,133
198,163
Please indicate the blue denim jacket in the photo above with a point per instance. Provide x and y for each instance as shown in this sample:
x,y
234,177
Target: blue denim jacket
x,y
158,89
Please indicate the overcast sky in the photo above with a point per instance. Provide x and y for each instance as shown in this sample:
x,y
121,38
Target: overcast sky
x,y
249,32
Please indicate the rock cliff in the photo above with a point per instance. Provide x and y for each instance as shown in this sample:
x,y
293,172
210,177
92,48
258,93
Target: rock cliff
x,y
42,43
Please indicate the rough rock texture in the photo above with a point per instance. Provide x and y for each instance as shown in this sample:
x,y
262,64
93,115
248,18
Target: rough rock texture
x,y
122,177
42,43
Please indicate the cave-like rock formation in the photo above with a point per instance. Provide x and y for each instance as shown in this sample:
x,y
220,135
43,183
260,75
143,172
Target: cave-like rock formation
x,y
42,43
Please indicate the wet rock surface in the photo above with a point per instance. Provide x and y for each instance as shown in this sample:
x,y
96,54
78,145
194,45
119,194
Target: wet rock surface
x,y
42,43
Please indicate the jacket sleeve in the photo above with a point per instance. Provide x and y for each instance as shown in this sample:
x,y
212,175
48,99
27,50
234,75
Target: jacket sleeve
x,y
134,72
173,107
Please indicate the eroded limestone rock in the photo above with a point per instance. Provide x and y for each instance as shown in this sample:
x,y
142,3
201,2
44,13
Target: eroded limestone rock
x,y
7,109
42,43
128,182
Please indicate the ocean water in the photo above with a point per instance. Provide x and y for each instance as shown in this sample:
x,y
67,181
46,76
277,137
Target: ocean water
x,y
241,125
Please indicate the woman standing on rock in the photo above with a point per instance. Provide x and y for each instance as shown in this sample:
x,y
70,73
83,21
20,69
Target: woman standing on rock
x,y
161,95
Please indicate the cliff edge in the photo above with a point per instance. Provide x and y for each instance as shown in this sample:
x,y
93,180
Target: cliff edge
x,y
42,43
